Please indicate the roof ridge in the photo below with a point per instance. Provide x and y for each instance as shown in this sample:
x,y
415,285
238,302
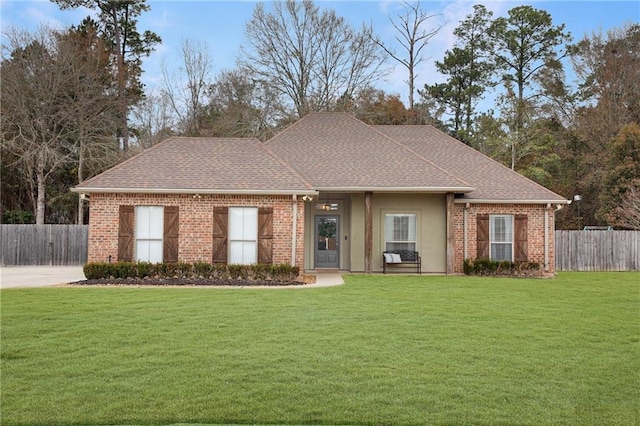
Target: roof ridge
x,y
306,117
286,129
233,138
423,158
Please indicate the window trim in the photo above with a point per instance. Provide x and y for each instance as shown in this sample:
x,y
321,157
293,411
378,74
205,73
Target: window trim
x,y
492,217
386,213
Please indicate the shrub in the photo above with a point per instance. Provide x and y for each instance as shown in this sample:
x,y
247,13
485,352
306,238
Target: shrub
x,y
219,271
238,272
162,269
505,266
144,269
488,267
484,266
183,270
282,273
203,269
124,270
97,270
467,266
17,217
261,271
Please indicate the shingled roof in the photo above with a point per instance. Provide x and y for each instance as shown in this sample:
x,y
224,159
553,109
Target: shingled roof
x,y
337,152
493,182
201,165
323,152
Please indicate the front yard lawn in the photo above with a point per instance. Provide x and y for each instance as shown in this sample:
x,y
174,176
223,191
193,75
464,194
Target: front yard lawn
x,y
377,350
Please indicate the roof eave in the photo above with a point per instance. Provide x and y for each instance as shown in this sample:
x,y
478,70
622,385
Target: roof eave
x,y
414,189
507,201
200,191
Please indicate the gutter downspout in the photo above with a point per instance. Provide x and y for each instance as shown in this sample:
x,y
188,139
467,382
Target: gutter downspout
x,y
546,238
294,228
465,230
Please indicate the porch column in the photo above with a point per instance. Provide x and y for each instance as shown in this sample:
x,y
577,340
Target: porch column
x,y
368,233
450,235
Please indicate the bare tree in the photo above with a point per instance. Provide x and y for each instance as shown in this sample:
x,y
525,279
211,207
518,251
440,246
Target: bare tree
x,y
153,119
309,58
186,91
627,214
607,68
56,108
239,107
117,25
413,37
93,104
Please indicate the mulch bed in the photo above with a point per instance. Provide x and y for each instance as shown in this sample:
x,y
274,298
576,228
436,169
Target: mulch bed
x,y
193,282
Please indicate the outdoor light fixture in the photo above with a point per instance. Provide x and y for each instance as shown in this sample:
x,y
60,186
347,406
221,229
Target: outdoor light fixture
x,y
327,206
577,198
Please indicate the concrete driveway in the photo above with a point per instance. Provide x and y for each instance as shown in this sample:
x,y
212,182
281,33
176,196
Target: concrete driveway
x,y
43,276
38,276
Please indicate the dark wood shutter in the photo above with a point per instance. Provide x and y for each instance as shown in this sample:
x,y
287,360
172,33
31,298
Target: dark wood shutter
x,y
171,232
520,238
126,233
265,235
220,234
483,236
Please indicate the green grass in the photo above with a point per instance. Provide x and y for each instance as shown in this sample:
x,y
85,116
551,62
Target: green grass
x,y
377,350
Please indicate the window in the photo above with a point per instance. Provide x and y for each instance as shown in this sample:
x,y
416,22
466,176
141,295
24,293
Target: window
x,y
149,233
400,232
501,237
243,235
238,230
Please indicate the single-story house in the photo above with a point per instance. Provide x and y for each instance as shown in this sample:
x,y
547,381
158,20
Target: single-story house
x,y
328,192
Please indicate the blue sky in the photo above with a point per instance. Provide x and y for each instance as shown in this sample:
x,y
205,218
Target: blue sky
x,y
221,25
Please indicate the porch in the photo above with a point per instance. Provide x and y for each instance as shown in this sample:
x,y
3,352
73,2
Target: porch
x,y
349,231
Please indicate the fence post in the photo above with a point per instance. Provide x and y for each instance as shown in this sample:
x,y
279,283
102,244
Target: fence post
x,y
50,245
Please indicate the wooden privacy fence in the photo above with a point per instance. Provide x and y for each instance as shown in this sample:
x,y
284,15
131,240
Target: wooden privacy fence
x,y
43,244
597,250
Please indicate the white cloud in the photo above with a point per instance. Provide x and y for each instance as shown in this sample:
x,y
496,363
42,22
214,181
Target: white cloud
x,y
41,16
33,14
157,20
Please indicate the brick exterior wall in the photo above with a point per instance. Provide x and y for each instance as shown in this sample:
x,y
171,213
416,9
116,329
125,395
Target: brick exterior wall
x,y
535,230
196,223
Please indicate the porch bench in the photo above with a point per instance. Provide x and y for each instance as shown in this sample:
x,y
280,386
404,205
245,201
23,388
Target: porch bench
x,y
401,257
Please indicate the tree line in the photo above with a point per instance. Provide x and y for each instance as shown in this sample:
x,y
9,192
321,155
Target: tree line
x,y
73,103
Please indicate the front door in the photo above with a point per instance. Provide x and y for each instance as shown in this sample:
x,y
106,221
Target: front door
x,y
327,242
